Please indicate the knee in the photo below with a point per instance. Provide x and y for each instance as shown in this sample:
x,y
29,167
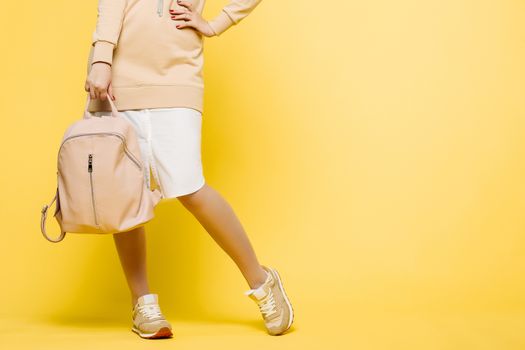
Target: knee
x,y
194,198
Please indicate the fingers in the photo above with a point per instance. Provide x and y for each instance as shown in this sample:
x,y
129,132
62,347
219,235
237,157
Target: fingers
x,y
99,86
184,17
186,24
92,94
182,14
103,95
179,11
99,90
186,4
185,14
96,92
110,92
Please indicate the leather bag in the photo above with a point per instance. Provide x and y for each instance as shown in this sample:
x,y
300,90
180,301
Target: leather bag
x,y
100,178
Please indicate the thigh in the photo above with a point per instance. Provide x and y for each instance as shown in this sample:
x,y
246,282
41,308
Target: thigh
x,y
175,135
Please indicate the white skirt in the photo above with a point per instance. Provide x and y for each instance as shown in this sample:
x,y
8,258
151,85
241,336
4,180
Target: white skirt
x,y
170,143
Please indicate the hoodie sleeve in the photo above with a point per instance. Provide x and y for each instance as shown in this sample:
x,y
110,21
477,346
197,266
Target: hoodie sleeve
x,y
232,14
110,14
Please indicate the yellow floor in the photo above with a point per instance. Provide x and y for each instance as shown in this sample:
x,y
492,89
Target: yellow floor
x,y
341,330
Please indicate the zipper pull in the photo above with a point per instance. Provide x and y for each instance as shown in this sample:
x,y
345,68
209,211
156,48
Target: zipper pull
x,y
90,163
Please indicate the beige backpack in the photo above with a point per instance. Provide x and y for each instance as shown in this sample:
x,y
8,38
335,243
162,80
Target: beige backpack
x,y
100,182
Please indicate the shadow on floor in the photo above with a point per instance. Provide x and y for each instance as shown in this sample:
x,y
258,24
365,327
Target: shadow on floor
x,y
103,321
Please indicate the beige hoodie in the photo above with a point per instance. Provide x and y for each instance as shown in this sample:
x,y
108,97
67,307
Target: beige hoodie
x,y
155,64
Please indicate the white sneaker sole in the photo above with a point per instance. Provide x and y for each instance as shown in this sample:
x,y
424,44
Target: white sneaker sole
x,y
164,332
288,304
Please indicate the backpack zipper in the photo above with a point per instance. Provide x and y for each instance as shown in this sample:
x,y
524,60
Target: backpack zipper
x,y
90,170
120,136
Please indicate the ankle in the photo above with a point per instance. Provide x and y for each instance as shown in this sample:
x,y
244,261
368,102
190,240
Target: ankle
x,y
134,301
259,280
135,298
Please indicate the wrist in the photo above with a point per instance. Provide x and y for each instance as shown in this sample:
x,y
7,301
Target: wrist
x,y
212,32
103,51
221,23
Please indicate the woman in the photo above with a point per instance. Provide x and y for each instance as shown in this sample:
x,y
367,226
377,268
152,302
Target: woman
x,y
147,56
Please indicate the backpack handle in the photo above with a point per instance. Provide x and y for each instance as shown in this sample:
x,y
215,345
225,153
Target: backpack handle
x,y
43,222
114,110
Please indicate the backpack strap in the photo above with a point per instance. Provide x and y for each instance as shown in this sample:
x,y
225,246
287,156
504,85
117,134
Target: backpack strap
x,y
43,222
114,111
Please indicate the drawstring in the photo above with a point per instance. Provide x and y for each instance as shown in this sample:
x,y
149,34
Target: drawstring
x,y
160,5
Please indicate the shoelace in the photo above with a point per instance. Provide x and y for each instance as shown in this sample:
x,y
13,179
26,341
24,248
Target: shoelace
x,y
150,310
267,305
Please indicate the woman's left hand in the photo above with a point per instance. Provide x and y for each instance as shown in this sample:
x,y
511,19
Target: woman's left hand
x,y
191,18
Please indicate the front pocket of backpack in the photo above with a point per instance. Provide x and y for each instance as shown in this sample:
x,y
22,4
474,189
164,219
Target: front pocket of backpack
x,y
92,188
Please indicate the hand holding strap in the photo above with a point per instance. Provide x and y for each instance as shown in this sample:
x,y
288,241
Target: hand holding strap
x,y
114,111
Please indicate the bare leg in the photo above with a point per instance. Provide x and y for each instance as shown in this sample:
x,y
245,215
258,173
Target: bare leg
x,y
219,220
131,247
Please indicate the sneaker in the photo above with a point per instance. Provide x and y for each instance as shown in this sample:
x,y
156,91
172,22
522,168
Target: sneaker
x,y
273,303
148,321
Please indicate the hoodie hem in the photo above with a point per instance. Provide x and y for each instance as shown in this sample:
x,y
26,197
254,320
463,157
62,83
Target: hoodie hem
x,y
152,96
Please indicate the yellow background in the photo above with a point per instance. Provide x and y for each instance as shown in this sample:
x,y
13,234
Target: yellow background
x,y
373,150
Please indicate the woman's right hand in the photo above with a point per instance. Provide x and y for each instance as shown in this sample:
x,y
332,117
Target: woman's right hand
x,y
98,82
